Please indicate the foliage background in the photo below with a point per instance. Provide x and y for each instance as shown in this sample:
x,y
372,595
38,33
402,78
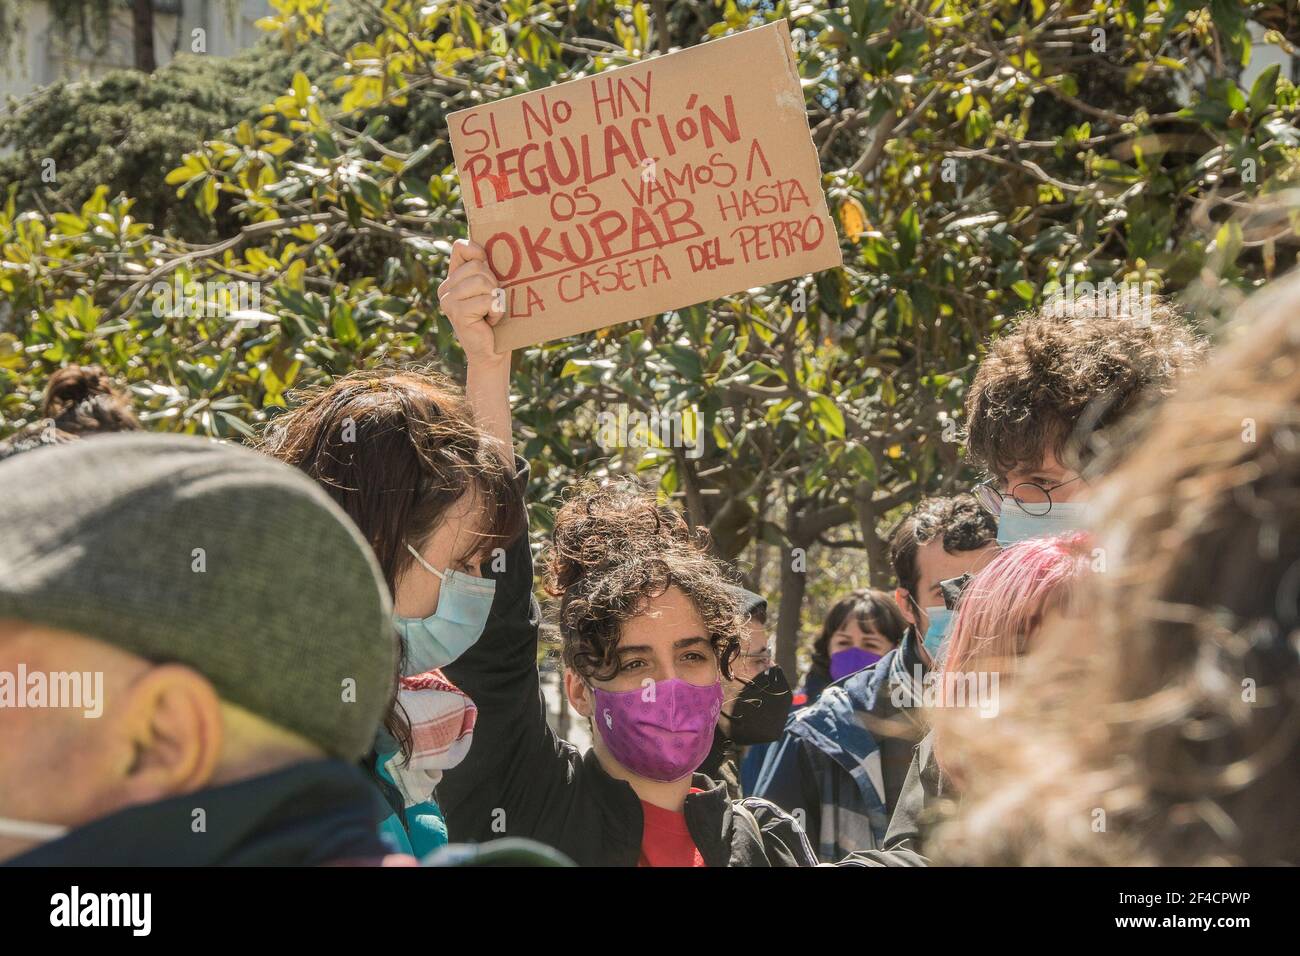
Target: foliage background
x,y
995,147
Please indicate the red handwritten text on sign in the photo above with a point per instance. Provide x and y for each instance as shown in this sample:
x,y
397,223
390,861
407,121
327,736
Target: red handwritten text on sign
x,y
647,188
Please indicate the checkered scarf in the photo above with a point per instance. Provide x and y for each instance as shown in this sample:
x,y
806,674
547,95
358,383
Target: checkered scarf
x,y
442,727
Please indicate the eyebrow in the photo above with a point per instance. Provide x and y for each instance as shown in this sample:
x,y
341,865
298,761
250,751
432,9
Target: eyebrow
x,y
677,645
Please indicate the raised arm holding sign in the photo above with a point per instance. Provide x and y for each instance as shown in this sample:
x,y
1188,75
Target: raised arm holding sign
x,y
645,189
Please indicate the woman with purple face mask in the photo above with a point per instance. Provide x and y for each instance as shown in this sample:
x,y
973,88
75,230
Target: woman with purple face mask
x,y
649,629
862,627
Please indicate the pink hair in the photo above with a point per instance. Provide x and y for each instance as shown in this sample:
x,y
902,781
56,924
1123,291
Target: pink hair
x,y
1003,606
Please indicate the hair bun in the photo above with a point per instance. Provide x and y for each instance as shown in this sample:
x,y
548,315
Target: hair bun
x,y
81,398
603,525
72,385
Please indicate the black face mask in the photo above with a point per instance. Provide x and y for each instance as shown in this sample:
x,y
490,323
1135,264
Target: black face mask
x,y
758,714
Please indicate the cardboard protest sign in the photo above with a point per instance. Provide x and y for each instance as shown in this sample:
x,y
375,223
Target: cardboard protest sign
x,y
646,189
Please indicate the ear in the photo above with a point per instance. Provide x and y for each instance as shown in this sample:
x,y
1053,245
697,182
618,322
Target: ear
x,y
579,694
904,602
173,716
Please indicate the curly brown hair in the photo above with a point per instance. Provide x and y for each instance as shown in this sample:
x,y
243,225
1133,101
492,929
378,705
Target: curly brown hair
x,y
81,399
613,549
959,521
1066,373
396,448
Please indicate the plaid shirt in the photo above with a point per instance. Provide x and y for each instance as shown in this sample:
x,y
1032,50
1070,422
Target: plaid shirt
x,y
842,761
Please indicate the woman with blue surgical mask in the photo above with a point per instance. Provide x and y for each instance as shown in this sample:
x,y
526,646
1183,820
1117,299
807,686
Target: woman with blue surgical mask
x,y
419,467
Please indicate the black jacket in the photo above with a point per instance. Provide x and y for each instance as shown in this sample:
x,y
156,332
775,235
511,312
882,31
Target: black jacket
x,y
520,779
310,814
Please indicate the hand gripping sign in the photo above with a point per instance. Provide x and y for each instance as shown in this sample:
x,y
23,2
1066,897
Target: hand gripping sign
x,y
646,189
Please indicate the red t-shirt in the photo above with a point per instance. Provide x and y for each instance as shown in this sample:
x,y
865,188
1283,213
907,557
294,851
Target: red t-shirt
x,y
665,839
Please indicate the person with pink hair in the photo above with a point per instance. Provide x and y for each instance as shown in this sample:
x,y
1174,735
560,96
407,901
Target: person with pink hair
x,y
998,617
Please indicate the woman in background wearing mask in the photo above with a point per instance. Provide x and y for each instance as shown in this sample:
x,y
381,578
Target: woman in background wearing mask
x,y
758,701
424,471
859,630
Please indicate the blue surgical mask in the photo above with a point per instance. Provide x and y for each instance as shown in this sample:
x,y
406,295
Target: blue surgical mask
x,y
940,618
1015,524
464,603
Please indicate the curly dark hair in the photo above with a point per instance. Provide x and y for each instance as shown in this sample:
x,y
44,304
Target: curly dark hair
x,y
613,549
82,399
961,523
1066,373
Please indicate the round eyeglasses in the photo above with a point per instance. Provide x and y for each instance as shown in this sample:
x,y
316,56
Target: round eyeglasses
x,y
1033,499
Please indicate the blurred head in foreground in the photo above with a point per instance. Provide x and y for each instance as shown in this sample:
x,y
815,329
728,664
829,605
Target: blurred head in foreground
x,y
1165,727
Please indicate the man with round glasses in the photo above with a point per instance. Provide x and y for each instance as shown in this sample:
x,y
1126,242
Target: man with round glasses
x,y
1048,394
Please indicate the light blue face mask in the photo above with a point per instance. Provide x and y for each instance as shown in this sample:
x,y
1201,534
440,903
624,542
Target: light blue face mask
x,y
1015,524
464,603
940,618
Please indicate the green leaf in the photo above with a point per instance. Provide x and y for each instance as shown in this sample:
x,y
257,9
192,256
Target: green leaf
x,y
1261,93
208,196
860,460
828,415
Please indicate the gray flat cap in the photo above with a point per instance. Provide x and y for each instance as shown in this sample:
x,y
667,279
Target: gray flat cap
x,y
214,556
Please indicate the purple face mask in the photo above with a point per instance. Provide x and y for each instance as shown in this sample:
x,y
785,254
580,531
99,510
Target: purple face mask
x,y
660,731
850,660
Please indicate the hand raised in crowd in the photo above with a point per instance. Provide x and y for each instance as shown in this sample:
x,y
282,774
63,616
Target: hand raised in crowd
x,y
473,301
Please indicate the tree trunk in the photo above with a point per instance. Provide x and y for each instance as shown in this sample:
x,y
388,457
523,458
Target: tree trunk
x,y
142,23
760,546
881,572
661,25
697,515
793,585
801,530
